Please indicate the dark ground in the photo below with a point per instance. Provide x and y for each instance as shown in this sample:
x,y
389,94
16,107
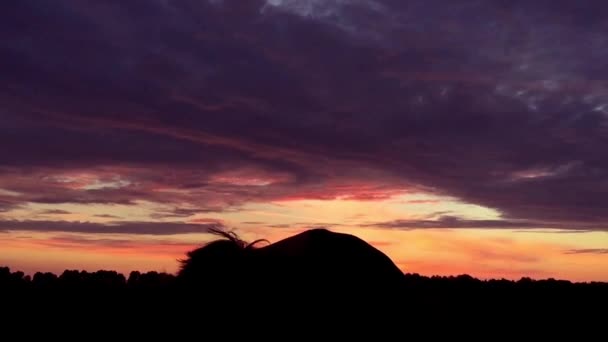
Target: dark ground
x,y
420,299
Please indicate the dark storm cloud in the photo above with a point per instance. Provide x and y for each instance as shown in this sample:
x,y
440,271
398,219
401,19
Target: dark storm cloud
x,y
500,104
147,228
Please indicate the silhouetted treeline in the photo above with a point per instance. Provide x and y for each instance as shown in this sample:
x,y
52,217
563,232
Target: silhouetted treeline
x,y
112,280
116,299
83,280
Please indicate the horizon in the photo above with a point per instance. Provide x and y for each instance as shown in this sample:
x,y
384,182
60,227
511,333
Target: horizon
x,y
127,274
457,138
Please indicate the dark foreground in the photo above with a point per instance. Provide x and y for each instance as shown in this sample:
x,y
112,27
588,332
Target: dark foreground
x,y
439,299
313,281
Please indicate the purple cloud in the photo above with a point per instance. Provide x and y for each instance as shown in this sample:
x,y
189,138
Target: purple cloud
x,y
149,228
55,212
447,221
501,105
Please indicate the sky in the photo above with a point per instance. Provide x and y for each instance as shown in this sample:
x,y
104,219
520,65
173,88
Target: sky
x,y
455,136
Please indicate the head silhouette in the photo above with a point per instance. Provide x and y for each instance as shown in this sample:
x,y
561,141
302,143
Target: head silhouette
x,y
221,262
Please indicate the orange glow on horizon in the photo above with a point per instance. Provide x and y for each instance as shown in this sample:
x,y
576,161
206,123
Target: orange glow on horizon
x,y
484,254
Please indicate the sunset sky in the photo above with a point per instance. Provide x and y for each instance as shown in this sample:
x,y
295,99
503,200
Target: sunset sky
x,y
456,136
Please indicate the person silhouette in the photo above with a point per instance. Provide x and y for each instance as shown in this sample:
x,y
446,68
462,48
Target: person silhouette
x,y
316,261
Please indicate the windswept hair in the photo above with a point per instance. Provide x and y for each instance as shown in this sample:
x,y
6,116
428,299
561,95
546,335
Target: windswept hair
x,y
234,238
229,244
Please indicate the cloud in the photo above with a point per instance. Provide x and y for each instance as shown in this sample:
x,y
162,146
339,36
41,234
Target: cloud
x,y
55,212
320,9
280,225
588,251
179,213
80,241
146,228
6,205
423,201
446,221
108,216
360,100
69,240
207,221
559,231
